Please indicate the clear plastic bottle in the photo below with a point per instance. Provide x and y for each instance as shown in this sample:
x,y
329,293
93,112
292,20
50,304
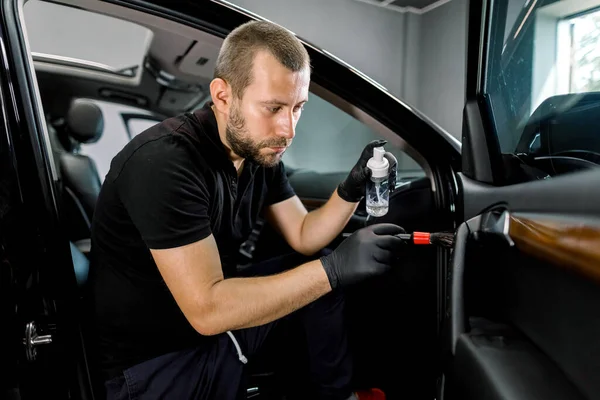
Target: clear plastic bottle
x,y
378,194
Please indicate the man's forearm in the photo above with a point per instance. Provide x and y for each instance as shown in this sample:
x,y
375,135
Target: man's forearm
x,y
324,224
246,302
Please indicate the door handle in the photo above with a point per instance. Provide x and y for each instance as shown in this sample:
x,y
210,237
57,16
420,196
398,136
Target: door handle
x,y
32,340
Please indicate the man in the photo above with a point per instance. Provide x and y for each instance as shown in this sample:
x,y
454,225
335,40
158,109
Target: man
x,y
171,315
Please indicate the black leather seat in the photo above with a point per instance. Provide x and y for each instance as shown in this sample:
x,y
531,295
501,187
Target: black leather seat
x,y
60,144
80,180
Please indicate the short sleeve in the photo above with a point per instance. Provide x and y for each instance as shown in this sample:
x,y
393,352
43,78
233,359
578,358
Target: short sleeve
x,y
165,193
279,187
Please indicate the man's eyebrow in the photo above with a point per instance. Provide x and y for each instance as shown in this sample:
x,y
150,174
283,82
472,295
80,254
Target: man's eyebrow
x,y
275,102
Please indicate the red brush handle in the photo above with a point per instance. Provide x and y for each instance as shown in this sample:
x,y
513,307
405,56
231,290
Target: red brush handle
x,y
421,238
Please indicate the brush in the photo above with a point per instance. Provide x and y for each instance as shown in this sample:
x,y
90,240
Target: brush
x,y
444,239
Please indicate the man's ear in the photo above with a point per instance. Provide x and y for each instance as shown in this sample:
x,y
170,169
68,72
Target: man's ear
x,y
220,91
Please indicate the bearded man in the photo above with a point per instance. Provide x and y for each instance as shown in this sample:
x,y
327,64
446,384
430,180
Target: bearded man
x,y
171,316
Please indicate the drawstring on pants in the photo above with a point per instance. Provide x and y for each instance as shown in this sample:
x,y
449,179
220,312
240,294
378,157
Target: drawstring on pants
x,y
241,357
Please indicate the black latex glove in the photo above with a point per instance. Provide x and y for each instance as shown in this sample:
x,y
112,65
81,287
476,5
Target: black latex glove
x,y
368,252
353,188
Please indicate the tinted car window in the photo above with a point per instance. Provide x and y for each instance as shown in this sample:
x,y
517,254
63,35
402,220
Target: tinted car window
x,y
329,140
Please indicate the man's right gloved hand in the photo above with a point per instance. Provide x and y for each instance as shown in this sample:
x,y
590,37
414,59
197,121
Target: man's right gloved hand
x,y
366,253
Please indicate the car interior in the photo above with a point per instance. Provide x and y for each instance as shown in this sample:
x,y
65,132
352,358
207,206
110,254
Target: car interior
x,y
509,313
89,104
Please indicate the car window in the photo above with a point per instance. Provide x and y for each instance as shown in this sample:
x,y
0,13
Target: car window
x,y
543,82
328,140
135,126
50,31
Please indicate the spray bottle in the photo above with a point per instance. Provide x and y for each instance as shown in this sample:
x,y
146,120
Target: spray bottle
x,y
378,194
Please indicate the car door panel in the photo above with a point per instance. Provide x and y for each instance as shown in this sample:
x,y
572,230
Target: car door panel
x,y
526,261
408,294
497,363
568,194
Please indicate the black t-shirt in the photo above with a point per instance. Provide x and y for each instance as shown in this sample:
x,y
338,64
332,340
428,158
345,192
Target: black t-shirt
x,y
171,185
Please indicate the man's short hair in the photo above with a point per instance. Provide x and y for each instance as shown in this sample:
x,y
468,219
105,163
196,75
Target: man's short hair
x,y
235,61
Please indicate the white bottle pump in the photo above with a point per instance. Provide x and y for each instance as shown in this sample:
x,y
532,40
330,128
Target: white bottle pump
x,y
378,164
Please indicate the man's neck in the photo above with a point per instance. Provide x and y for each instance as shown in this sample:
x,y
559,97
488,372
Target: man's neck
x,y
238,162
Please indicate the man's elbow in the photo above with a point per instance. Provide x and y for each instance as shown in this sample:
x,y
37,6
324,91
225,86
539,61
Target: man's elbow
x,y
204,321
206,329
305,250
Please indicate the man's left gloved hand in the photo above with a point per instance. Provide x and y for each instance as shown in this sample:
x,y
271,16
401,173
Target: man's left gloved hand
x,y
353,188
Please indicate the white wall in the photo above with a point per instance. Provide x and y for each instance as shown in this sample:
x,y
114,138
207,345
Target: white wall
x,y
367,37
442,65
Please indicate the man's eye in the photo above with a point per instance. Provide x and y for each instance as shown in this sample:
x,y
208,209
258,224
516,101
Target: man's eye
x,y
299,108
274,109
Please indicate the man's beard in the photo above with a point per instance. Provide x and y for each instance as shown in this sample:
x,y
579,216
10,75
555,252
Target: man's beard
x,y
238,138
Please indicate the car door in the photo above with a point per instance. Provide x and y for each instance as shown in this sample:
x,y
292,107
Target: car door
x,y
327,144
41,344
523,320
422,202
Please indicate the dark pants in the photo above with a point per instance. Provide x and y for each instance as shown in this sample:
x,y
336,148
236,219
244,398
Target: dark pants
x,y
217,372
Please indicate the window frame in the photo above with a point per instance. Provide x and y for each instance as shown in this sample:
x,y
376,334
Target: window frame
x,y
565,47
128,116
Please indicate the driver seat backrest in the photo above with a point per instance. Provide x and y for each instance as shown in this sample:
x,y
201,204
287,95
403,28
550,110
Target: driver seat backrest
x,y
80,179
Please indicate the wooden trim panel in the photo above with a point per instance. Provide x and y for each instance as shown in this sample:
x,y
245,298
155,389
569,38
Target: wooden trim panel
x,y
570,244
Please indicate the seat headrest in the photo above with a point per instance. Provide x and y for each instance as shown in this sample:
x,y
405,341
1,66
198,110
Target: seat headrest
x,y
85,122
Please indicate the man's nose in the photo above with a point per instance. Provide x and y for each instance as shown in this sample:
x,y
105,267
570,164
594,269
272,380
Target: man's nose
x,y
287,127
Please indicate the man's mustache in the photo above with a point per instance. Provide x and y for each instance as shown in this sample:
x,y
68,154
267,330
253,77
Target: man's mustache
x,y
277,143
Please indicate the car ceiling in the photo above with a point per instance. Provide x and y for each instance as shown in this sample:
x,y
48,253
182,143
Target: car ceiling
x,y
176,74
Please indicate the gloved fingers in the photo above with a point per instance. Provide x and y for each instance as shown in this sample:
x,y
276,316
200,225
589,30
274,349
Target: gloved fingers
x,y
358,176
391,159
393,170
391,242
366,173
387,229
383,257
